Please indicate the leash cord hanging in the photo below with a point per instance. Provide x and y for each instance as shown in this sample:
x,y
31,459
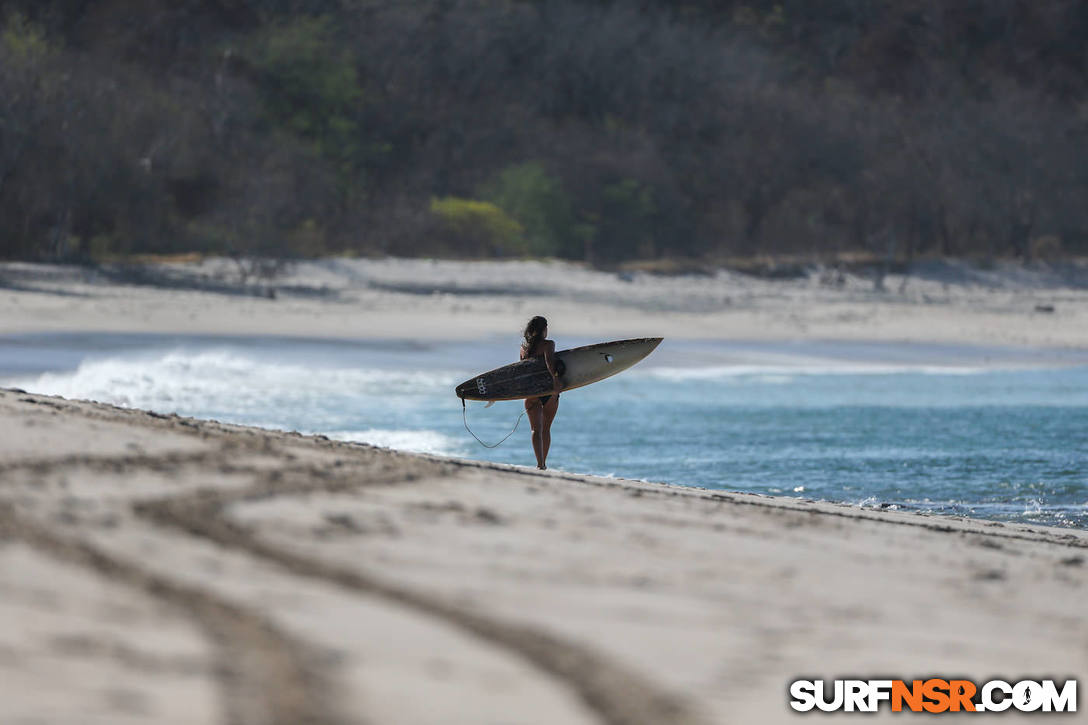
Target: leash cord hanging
x,y
464,416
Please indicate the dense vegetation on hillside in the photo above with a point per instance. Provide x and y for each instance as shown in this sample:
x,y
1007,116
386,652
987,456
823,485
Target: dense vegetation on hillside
x,y
598,130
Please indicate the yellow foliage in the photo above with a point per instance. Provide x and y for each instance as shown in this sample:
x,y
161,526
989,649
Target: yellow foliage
x,y
481,222
23,41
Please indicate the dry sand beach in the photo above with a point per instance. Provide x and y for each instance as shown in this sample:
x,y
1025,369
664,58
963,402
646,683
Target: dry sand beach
x,y
945,302
160,569
168,570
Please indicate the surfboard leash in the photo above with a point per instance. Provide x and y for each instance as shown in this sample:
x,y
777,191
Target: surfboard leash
x,y
464,416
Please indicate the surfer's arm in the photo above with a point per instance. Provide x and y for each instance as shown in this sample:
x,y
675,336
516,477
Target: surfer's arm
x,y
552,364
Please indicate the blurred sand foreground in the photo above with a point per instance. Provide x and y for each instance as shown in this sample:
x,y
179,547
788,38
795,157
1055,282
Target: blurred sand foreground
x,y
165,570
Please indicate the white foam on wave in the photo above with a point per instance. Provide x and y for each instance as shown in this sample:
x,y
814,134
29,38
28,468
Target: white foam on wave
x,y
780,374
416,441
241,387
222,379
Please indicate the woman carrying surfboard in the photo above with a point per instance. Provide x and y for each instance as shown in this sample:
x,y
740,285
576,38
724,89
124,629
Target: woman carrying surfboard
x,y
542,409
542,373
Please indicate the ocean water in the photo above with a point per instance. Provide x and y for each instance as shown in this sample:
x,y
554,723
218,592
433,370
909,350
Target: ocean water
x,y
984,432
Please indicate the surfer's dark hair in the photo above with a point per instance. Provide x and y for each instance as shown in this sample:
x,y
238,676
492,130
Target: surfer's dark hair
x,y
534,331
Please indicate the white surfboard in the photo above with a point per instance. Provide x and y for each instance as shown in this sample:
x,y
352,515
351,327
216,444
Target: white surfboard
x,y
581,366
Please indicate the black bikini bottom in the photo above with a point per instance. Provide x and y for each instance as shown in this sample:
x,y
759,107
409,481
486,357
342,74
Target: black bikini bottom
x,y
560,369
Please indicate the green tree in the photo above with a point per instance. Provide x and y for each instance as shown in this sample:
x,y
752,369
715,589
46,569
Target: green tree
x,y
628,218
536,199
310,88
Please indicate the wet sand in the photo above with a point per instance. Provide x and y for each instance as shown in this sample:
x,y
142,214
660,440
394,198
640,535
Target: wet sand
x,y
162,569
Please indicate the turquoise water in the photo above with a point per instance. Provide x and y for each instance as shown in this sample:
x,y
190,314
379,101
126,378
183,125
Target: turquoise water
x,y
987,432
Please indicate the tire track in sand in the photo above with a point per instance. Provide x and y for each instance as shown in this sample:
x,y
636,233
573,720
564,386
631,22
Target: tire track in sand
x,y
618,695
291,686
264,676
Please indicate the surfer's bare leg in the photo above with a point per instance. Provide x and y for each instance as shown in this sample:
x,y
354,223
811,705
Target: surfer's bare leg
x,y
549,410
536,421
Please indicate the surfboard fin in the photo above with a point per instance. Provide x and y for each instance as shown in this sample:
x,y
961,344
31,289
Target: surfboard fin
x,y
489,404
